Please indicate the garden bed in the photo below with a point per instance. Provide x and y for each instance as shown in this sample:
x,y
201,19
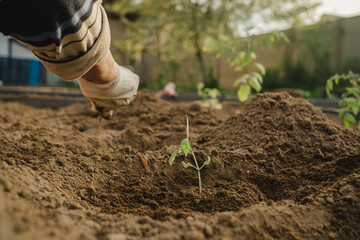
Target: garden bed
x,y
280,169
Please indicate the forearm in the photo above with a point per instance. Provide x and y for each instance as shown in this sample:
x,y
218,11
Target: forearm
x,y
103,72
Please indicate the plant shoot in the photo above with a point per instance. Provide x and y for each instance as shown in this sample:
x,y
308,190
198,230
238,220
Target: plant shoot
x,y
186,149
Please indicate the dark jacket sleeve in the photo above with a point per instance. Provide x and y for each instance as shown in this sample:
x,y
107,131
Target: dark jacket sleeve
x,y
68,36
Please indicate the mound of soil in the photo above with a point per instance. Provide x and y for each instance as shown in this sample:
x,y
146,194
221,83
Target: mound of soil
x,y
280,170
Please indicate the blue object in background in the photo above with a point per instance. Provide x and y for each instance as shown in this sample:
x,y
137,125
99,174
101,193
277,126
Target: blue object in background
x,y
34,72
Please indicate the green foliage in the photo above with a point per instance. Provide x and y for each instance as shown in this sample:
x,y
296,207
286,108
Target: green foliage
x,y
175,30
350,98
210,96
241,55
185,147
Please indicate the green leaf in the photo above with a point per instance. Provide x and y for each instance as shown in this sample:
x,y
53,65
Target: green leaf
x,y
238,68
253,55
261,68
207,162
173,155
185,146
214,93
244,92
359,125
241,55
186,165
254,83
351,91
329,84
346,123
200,86
350,118
351,102
241,80
247,58
328,93
259,77
355,110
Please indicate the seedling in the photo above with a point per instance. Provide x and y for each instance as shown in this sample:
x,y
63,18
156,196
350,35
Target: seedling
x,y
242,55
186,148
210,96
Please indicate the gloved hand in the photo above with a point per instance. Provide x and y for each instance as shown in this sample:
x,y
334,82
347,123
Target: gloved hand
x,y
106,97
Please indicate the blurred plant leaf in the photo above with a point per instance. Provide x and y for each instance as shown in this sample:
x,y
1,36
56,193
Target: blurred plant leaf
x,y
244,92
350,118
254,83
261,68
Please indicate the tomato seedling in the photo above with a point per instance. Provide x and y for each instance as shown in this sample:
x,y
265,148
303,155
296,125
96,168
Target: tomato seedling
x,y
186,149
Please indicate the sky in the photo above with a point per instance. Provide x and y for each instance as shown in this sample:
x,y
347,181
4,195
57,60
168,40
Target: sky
x,y
343,8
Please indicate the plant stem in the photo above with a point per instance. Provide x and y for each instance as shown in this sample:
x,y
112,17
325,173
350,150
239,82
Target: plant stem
x,y
197,168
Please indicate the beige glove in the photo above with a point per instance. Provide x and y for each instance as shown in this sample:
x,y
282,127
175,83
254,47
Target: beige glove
x,y
106,97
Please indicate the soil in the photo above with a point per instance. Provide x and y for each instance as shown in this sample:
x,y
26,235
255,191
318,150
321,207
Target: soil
x,y
280,170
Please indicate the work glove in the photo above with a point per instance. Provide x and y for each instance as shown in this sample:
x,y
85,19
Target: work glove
x,y
105,98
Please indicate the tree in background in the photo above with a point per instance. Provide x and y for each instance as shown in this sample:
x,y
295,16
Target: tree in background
x,y
173,30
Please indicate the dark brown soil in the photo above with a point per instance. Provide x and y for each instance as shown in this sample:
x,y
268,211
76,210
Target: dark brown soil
x,y
280,170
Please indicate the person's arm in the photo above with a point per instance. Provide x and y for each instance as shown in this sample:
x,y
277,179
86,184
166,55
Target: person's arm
x,y
108,86
103,72
72,40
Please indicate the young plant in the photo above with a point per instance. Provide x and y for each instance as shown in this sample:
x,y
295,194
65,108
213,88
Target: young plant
x,y
186,149
241,55
210,96
350,99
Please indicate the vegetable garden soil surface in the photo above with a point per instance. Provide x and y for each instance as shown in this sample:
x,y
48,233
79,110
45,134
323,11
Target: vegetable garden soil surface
x,y
280,170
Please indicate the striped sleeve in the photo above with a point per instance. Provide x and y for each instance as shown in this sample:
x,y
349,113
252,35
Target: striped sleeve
x,y
68,36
